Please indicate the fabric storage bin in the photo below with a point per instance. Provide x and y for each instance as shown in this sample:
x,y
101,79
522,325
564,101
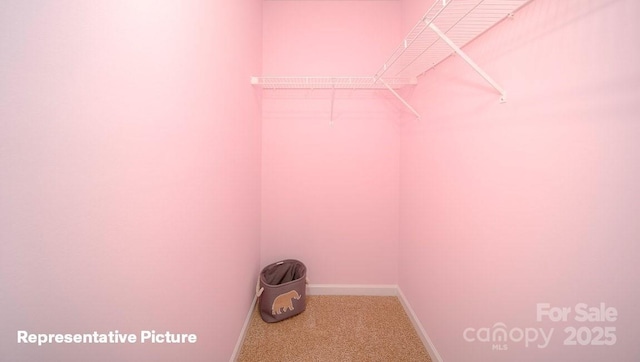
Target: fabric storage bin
x,y
282,290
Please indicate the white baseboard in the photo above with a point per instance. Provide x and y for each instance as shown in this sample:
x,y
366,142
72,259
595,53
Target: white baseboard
x,y
418,326
354,289
243,331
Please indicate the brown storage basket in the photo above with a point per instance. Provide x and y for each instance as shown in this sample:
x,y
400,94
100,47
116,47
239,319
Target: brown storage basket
x,y
282,290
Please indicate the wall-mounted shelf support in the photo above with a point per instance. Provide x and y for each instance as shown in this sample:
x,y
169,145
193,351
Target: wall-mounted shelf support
x,y
469,61
461,22
400,98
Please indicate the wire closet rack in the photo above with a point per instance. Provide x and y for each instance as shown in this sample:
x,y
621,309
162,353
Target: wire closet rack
x,y
446,27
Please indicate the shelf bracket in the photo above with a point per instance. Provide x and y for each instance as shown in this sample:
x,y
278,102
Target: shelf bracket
x,y
400,98
469,61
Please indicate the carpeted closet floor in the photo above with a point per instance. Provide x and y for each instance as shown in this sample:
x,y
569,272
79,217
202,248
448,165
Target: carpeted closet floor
x,y
337,328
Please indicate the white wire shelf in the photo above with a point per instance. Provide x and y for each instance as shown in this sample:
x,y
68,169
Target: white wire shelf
x,y
460,20
331,82
446,27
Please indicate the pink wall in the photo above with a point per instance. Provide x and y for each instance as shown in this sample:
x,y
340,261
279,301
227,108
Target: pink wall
x,y
129,174
330,191
504,206
134,170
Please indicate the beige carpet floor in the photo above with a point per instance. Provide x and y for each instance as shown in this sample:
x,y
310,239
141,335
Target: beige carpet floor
x,y
337,329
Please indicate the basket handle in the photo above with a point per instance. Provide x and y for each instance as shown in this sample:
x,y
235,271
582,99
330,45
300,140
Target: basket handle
x,y
258,289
